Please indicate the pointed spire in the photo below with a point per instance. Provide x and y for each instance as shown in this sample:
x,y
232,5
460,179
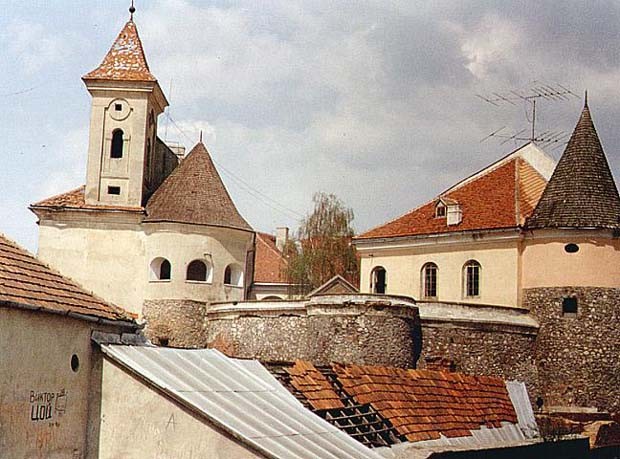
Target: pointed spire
x,y
581,192
194,193
126,60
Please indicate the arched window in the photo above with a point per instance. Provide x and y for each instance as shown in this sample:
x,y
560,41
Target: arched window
x,y
160,269
429,280
471,278
233,275
117,144
197,270
378,280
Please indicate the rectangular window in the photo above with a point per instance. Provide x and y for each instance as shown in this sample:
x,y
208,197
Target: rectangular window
x,y
473,280
430,281
114,190
569,306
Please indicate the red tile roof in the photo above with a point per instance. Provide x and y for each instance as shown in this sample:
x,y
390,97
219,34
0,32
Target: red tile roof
x,y
269,263
125,61
74,199
501,197
26,281
314,385
194,193
419,404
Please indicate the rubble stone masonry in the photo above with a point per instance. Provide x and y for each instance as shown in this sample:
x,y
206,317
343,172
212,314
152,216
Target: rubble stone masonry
x,y
365,332
175,323
578,354
481,349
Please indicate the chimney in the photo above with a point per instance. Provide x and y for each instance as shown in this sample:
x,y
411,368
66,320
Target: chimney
x,y
281,237
455,214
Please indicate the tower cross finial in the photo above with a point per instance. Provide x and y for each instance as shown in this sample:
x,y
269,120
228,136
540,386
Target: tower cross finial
x,y
586,99
132,10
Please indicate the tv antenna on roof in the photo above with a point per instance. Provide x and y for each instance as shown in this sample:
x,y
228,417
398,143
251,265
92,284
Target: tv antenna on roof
x,y
537,91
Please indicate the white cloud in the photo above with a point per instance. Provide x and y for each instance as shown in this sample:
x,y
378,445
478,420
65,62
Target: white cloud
x,y
33,46
491,44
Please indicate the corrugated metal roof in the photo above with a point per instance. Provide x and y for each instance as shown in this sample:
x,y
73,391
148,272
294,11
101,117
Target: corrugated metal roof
x,y
242,397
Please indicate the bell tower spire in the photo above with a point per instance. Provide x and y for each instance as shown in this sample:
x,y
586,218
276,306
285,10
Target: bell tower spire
x,y
126,101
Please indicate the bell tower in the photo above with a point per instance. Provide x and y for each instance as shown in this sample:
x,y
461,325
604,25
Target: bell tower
x,y
126,101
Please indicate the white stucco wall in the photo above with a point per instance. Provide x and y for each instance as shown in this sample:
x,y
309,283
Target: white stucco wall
x,y
499,275
138,422
110,253
44,404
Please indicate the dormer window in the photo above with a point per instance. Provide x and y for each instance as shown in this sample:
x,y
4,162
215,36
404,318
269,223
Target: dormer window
x,y
440,210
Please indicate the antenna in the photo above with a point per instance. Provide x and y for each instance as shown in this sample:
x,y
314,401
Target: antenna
x,y
537,91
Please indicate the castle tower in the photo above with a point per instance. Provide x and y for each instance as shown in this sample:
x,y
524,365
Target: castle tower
x,y
126,101
156,235
571,277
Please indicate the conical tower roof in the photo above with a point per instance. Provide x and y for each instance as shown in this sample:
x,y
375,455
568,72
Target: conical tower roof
x,y
581,192
125,61
194,193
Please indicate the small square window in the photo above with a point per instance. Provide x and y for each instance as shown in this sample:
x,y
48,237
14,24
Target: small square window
x,y
114,190
569,306
118,107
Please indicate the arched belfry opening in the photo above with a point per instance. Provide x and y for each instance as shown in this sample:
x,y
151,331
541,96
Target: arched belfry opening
x,y
116,150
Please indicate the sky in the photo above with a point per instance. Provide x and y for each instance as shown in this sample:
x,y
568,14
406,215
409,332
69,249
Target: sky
x,y
374,101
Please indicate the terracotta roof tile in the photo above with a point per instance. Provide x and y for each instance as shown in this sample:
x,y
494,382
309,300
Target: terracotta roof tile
x,y
26,280
125,60
501,197
74,199
194,193
581,192
314,385
419,404
270,264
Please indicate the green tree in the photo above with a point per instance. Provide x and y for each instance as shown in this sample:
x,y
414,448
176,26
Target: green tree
x,y
323,246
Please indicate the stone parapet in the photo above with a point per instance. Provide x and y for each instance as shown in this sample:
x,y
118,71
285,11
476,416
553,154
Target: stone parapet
x,y
175,323
358,329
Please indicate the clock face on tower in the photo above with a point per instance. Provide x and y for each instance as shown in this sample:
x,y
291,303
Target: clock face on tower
x,y
119,109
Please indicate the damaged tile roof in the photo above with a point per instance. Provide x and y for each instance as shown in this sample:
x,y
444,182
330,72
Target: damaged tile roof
x,y
27,282
270,264
125,60
497,198
194,193
418,405
581,192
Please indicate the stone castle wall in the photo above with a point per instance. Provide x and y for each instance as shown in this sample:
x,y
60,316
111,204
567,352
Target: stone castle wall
x,y
323,330
175,323
578,356
481,349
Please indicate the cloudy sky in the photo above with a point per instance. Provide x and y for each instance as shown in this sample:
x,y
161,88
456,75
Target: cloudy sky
x,y
374,101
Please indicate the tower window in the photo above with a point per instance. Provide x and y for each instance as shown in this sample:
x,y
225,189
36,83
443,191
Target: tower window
x,y
569,306
118,107
197,270
471,273
233,275
429,280
114,190
571,248
378,280
161,269
116,151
